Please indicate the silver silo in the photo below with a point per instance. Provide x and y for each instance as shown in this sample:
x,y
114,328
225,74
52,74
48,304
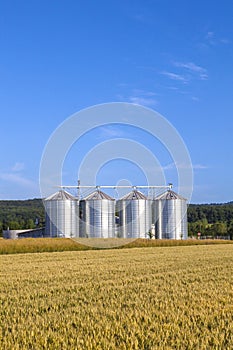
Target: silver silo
x,y
62,219
134,212
169,215
97,216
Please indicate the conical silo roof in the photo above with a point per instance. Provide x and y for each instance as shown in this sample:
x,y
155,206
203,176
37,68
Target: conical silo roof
x,y
169,195
98,195
134,195
61,196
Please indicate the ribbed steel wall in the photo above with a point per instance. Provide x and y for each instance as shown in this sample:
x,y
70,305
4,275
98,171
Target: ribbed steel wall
x,y
97,218
170,218
61,218
134,218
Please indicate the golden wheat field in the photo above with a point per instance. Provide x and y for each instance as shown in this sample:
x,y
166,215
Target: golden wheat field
x,y
141,298
39,245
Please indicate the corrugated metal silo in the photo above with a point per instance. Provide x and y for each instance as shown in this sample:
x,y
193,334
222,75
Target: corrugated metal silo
x,y
169,214
134,212
97,216
62,219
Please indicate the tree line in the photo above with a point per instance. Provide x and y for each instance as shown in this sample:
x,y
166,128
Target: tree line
x,y
208,219
21,214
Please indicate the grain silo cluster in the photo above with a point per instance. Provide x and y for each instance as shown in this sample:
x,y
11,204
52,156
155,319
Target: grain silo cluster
x,y
100,216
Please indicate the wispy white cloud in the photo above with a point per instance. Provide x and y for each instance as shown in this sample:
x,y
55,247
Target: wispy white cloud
x,y
140,97
193,68
173,165
190,66
111,131
174,76
210,38
144,93
17,179
175,88
144,101
213,39
209,35
169,166
200,166
195,98
203,76
19,166
225,41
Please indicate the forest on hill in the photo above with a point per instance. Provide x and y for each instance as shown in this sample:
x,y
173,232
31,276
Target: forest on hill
x,y
21,214
209,219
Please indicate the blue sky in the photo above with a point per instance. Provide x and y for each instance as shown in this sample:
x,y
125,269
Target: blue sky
x,y
58,57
